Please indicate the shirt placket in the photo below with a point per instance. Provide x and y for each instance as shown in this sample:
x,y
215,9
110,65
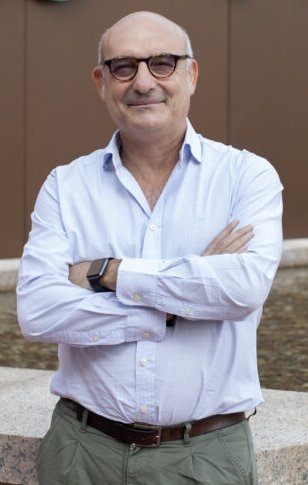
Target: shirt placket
x,y
146,401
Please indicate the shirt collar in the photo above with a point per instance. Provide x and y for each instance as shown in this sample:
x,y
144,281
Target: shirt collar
x,y
111,157
191,148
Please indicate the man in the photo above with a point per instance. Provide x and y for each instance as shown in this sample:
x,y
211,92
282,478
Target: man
x,y
157,345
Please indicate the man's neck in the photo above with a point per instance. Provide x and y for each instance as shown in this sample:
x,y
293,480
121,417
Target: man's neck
x,y
151,163
147,155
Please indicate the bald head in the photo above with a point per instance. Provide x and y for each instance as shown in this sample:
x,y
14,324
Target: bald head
x,y
153,24
146,103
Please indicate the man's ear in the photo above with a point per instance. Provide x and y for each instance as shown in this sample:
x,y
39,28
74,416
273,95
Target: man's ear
x,y
98,77
193,72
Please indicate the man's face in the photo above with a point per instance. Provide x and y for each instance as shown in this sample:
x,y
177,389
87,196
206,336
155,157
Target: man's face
x,y
146,103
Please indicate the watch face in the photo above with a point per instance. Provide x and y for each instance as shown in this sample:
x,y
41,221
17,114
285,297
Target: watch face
x,y
97,267
95,273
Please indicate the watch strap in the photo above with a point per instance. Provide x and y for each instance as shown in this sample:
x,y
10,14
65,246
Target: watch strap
x,y
96,272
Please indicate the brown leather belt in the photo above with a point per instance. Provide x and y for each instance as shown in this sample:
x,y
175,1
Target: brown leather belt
x,y
145,435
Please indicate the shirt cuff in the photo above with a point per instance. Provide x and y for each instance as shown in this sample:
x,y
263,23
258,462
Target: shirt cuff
x,y
137,282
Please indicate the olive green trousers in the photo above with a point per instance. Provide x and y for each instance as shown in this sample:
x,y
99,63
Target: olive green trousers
x,y
73,453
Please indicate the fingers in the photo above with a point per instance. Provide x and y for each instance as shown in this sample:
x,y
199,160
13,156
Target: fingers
x,y
230,240
218,242
238,240
227,231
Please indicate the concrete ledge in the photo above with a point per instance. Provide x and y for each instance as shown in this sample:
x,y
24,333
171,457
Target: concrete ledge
x,y
25,406
280,429
295,253
8,273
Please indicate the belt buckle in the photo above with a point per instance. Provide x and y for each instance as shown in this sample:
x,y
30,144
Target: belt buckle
x,y
149,427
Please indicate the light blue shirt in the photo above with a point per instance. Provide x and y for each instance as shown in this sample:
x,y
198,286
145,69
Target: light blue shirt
x,y
116,356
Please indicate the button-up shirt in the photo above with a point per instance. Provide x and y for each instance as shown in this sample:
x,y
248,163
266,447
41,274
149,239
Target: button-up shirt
x,y
117,357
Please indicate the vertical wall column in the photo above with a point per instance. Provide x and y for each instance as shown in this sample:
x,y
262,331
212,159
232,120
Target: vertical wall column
x,y
12,126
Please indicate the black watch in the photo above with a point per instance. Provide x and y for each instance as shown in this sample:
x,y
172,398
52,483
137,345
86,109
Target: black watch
x,y
96,271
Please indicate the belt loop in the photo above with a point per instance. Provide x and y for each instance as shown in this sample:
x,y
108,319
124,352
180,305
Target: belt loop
x,y
252,414
187,432
84,421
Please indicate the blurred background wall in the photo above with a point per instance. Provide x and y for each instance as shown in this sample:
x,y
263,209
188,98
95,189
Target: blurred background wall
x,y
252,91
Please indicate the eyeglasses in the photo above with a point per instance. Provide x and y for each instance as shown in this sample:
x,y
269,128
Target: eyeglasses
x,y
160,66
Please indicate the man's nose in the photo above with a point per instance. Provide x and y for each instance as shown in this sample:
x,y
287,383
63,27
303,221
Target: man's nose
x,y
144,81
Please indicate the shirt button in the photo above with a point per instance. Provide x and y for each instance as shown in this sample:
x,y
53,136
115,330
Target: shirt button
x,y
95,338
188,309
146,334
153,227
144,409
144,362
136,298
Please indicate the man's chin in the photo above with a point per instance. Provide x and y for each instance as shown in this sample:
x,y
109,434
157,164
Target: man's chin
x,y
146,124
148,115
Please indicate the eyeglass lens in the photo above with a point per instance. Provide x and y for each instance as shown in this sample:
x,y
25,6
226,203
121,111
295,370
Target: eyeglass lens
x,y
159,66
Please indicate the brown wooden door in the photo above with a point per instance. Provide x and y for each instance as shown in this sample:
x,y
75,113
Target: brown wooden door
x,y
268,89
12,116
60,115
251,93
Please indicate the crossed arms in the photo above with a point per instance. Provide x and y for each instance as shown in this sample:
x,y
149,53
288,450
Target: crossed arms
x,y
225,282
228,241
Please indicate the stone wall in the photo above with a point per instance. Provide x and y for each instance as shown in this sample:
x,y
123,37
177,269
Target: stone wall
x,y
280,428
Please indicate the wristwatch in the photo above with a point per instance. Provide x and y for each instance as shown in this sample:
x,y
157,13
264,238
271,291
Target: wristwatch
x,y
95,273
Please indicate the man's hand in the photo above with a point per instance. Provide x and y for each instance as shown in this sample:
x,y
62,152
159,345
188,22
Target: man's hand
x,y
229,241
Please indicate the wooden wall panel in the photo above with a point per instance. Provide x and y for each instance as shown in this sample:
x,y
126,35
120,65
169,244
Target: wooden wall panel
x,y
268,107
65,117
252,91
12,89
51,112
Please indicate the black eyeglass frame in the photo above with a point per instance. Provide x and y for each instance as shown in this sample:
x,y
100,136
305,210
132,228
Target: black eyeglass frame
x,y
147,60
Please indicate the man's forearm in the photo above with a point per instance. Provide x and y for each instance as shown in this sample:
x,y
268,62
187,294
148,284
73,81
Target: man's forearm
x,y
109,278
78,274
228,240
